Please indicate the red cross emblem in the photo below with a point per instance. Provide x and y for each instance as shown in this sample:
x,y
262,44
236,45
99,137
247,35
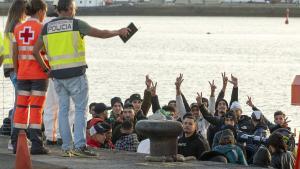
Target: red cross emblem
x,y
26,35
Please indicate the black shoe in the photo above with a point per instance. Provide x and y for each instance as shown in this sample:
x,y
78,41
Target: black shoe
x,y
48,142
41,151
59,142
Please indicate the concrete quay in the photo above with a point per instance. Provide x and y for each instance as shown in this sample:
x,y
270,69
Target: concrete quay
x,y
106,159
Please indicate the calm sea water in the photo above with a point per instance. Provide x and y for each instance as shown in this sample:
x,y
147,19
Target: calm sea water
x,y
262,52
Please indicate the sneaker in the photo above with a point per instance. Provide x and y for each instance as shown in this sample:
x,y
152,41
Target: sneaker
x,y
42,150
29,144
84,152
67,153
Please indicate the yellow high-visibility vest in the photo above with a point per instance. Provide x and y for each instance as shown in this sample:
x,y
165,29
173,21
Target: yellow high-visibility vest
x,y
63,43
7,52
1,45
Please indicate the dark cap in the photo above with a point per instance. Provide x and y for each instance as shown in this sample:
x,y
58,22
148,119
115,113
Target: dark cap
x,y
128,106
100,108
218,101
231,115
99,129
135,96
194,105
115,100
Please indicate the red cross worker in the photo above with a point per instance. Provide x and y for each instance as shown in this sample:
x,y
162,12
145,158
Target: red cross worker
x,y
32,81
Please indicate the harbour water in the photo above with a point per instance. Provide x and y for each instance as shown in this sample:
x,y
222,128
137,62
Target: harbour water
x,y
262,52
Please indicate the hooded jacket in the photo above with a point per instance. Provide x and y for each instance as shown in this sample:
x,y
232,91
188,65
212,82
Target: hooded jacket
x,y
233,153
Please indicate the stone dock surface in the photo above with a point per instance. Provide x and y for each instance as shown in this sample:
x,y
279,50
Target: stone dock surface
x,y
106,159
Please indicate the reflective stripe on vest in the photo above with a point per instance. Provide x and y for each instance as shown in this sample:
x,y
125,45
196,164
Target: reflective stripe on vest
x,y
7,53
25,48
64,49
20,126
25,53
26,57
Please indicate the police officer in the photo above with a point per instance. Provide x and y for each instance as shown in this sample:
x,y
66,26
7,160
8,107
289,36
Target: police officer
x,y
64,44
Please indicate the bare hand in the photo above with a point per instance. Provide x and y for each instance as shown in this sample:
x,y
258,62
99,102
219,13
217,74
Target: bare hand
x,y
249,102
123,32
119,119
225,80
199,98
179,81
212,87
234,81
153,89
285,124
148,82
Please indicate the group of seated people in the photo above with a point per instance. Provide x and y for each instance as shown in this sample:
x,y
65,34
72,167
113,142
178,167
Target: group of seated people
x,y
213,129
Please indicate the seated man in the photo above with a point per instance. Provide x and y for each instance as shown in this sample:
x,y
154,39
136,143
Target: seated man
x,y
99,114
229,123
280,120
128,114
191,143
97,135
115,117
128,140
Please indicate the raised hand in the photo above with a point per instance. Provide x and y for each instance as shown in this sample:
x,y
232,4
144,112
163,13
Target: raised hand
x,y
286,123
179,80
148,82
225,81
234,81
178,83
249,102
212,88
153,89
199,98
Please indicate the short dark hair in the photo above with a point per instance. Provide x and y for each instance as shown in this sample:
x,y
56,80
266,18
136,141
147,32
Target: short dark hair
x,y
205,100
127,125
33,6
171,102
63,5
189,116
277,141
279,113
169,108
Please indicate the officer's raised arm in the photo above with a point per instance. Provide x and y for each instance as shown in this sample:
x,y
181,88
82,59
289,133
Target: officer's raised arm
x,y
94,32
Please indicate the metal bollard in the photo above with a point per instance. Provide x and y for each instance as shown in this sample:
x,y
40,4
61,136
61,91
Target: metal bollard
x,y
163,138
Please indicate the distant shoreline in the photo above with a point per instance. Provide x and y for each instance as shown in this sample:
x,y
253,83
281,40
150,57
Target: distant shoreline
x,y
236,9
